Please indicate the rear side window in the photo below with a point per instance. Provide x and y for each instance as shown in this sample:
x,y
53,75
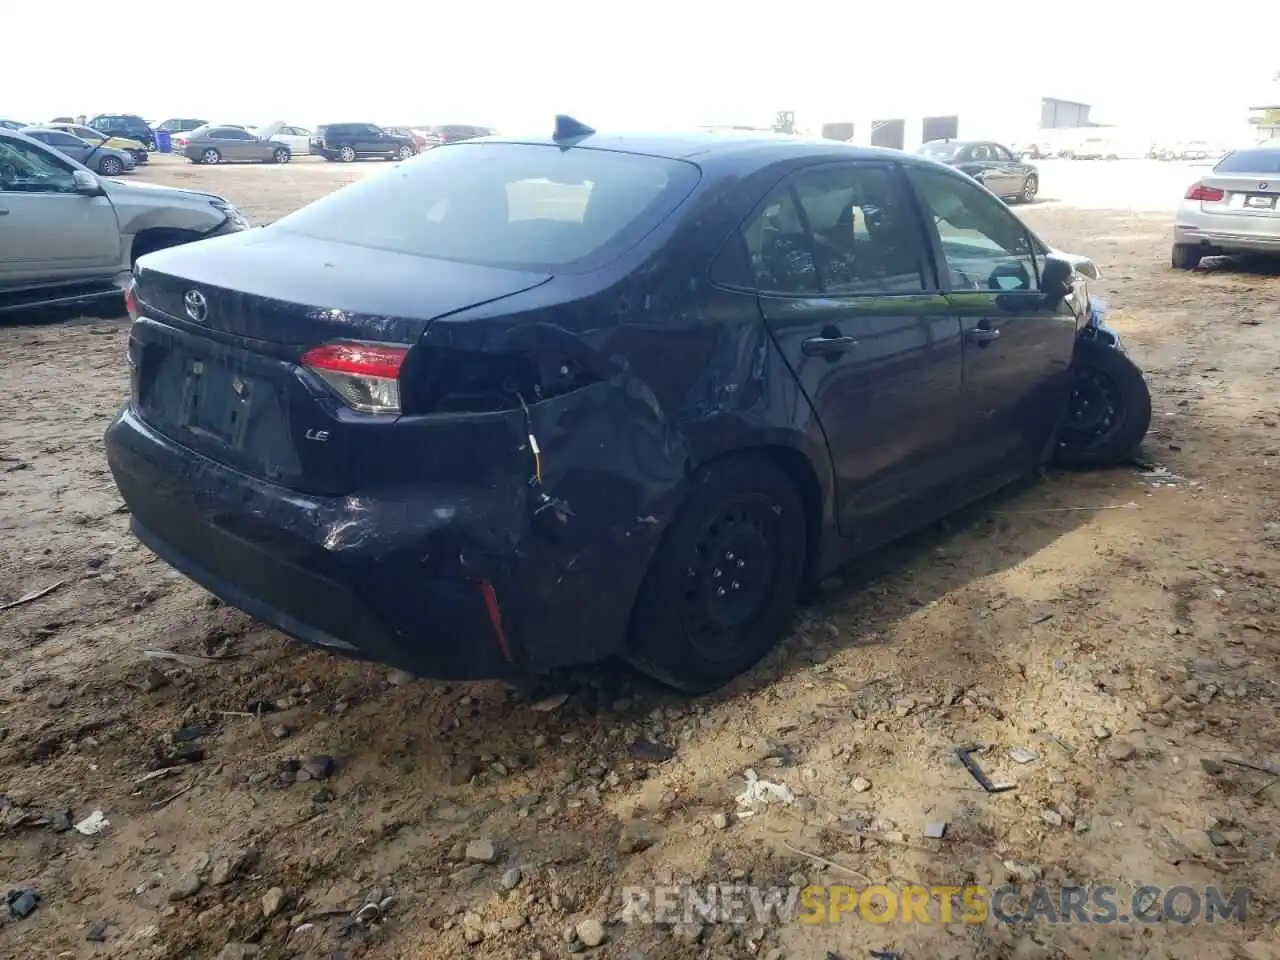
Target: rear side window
x,y
522,206
853,233
1264,160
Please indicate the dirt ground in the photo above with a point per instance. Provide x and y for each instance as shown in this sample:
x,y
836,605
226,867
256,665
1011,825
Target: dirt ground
x,y
1121,628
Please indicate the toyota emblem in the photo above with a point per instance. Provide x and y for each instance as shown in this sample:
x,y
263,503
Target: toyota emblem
x,y
197,306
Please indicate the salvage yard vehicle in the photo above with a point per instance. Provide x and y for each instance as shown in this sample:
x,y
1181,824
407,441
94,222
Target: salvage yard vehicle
x,y
228,144
66,235
992,165
349,142
134,148
514,405
1233,209
108,161
124,125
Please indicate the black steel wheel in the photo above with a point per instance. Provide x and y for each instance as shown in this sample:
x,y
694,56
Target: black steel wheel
x,y
1108,412
723,582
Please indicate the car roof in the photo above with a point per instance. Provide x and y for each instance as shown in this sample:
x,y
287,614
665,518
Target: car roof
x,y
709,147
40,129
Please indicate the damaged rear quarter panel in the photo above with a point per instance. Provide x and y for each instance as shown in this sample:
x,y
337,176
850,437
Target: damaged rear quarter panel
x,y
683,372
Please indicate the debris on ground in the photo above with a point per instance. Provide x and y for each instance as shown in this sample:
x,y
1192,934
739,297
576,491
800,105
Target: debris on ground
x,y
93,824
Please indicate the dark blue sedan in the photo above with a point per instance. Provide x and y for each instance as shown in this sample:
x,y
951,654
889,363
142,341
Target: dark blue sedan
x,y
517,404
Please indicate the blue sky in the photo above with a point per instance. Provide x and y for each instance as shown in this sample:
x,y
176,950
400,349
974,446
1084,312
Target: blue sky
x,y
646,65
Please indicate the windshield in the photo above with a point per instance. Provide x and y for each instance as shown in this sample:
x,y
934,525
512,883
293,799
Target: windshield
x,y
522,206
1264,160
940,150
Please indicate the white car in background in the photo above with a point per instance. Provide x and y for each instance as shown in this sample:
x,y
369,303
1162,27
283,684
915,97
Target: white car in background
x,y
1234,208
298,139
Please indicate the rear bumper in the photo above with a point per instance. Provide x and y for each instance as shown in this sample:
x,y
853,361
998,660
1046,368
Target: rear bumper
x,y
1221,237
445,581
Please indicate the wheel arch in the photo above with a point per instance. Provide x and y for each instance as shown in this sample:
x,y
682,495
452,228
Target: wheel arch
x,y
152,239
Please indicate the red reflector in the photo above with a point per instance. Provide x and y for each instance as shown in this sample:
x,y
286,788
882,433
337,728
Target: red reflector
x,y
131,301
1199,191
356,359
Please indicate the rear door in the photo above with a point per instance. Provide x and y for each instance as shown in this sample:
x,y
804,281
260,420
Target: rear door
x,y
1018,344
1012,171
48,231
852,305
73,147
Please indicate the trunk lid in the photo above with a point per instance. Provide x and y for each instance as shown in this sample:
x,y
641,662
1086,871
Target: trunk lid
x,y
222,377
1244,194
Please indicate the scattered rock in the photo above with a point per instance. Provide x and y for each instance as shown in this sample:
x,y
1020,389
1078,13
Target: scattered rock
x,y
398,678
318,767
590,932
482,851
860,785
935,831
511,879
1217,839
1052,817
687,933
1212,767
1023,755
720,821
240,951
636,835
22,903
187,885
1100,732
513,922
61,821
551,703
1026,872
647,751
226,869
97,933
1121,750
272,901
280,731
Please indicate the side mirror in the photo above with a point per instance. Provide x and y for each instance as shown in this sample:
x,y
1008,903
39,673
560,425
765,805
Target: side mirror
x,y
1056,277
86,183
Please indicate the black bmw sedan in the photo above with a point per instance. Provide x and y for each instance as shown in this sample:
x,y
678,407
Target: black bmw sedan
x,y
517,404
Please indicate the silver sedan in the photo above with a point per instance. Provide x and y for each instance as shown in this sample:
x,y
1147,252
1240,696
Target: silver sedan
x,y
1235,208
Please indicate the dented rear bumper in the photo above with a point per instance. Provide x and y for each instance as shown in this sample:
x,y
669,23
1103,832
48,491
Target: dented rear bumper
x,y
495,575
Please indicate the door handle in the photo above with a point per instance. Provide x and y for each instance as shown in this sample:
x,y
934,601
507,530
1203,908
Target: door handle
x,y
4,211
826,346
983,335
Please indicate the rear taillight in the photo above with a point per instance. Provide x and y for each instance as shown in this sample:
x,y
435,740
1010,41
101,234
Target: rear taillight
x,y
1198,191
365,376
131,300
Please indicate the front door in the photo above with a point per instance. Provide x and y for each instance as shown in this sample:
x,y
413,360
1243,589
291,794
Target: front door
x,y
1018,344
48,231
850,300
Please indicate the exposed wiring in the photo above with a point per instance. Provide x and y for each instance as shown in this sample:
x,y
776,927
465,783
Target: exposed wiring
x,y
533,441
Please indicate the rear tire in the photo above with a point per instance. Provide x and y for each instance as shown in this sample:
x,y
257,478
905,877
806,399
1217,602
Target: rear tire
x,y
211,156
281,155
721,586
347,154
1186,256
1030,187
1108,412
110,167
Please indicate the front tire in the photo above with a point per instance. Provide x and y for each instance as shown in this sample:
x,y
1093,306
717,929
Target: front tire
x,y
1108,412
1186,256
722,584
404,153
211,156
347,154
110,167
1030,187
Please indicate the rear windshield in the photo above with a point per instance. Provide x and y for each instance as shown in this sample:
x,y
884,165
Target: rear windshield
x,y
1262,160
940,151
523,206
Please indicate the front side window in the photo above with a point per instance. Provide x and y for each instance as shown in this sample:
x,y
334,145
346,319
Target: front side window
x,y
984,245
522,206
25,168
1000,153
